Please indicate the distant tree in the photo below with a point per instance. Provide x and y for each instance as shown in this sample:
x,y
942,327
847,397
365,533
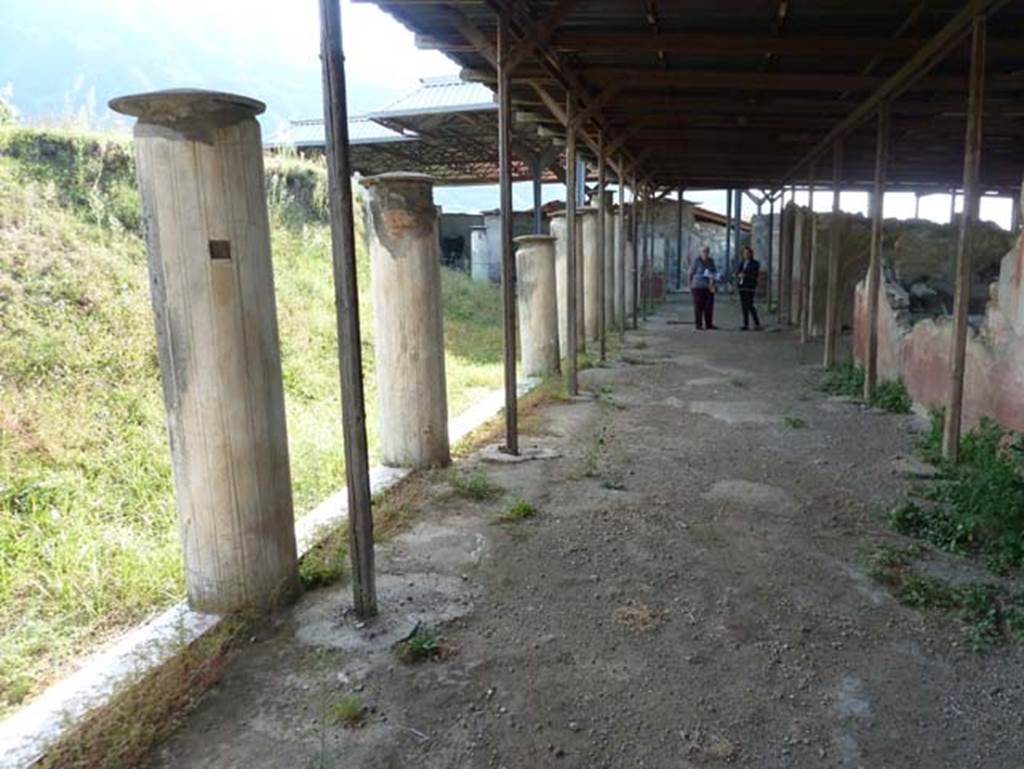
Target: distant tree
x,y
8,114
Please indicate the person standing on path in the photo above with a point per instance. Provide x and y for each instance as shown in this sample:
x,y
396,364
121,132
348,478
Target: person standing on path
x,y
702,288
746,282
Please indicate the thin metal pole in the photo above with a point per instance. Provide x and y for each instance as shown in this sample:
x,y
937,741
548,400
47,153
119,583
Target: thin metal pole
x,y
581,265
346,298
962,296
645,274
738,230
602,245
508,259
728,231
771,250
832,296
874,281
781,279
807,263
679,254
635,229
621,259
538,206
1015,213
917,205
571,381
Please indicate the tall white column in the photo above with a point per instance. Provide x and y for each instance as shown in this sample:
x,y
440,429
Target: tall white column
x,y
537,306
591,273
199,160
405,270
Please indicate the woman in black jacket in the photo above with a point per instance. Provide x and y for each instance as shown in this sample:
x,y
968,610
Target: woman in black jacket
x,y
746,281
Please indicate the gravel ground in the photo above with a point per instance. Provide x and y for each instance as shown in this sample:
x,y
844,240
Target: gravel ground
x,y
692,592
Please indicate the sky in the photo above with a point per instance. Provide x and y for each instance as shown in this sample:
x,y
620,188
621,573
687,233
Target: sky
x,y
66,57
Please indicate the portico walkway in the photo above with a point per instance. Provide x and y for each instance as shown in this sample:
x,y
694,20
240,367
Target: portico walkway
x,y
692,592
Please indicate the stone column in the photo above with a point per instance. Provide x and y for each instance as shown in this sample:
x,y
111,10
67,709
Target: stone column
x,y
609,258
590,275
405,274
199,160
558,231
479,254
538,309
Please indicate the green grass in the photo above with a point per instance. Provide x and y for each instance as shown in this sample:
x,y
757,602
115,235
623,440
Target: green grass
x,y
988,614
848,380
88,527
976,506
794,423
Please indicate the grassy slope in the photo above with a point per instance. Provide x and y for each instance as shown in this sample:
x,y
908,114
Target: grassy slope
x,y
88,539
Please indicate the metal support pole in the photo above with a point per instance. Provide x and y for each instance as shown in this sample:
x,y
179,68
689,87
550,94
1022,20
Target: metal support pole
x,y
874,281
806,254
346,297
738,232
571,380
645,276
728,231
679,244
1017,203
781,279
538,206
952,206
962,296
635,229
917,205
620,277
508,258
771,252
832,297
602,245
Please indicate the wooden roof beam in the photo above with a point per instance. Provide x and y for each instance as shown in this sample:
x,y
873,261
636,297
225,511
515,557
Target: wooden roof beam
x,y
913,70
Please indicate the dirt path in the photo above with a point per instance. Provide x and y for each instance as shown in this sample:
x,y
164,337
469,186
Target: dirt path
x,y
691,593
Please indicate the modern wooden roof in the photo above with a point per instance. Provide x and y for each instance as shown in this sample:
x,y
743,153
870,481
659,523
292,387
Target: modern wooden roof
x,y
740,93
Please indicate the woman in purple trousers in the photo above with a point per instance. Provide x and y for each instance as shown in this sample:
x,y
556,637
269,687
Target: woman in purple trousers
x,y
702,288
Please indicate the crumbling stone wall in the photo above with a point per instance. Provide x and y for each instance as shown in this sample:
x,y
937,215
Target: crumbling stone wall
x,y
918,255
918,350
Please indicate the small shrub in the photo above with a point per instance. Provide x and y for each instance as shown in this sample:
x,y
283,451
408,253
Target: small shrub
x,y
892,396
794,423
422,644
348,711
520,510
844,379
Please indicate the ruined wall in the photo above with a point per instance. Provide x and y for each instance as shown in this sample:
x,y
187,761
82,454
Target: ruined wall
x,y
919,352
918,255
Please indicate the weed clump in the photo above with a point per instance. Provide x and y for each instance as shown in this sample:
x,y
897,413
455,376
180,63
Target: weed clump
x,y
794,423
976,507
476,486
847,379
520,510
423,643
348,711
989,614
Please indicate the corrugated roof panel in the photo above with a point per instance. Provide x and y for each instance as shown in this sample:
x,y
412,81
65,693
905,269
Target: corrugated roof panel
x,y
310,133
440,94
